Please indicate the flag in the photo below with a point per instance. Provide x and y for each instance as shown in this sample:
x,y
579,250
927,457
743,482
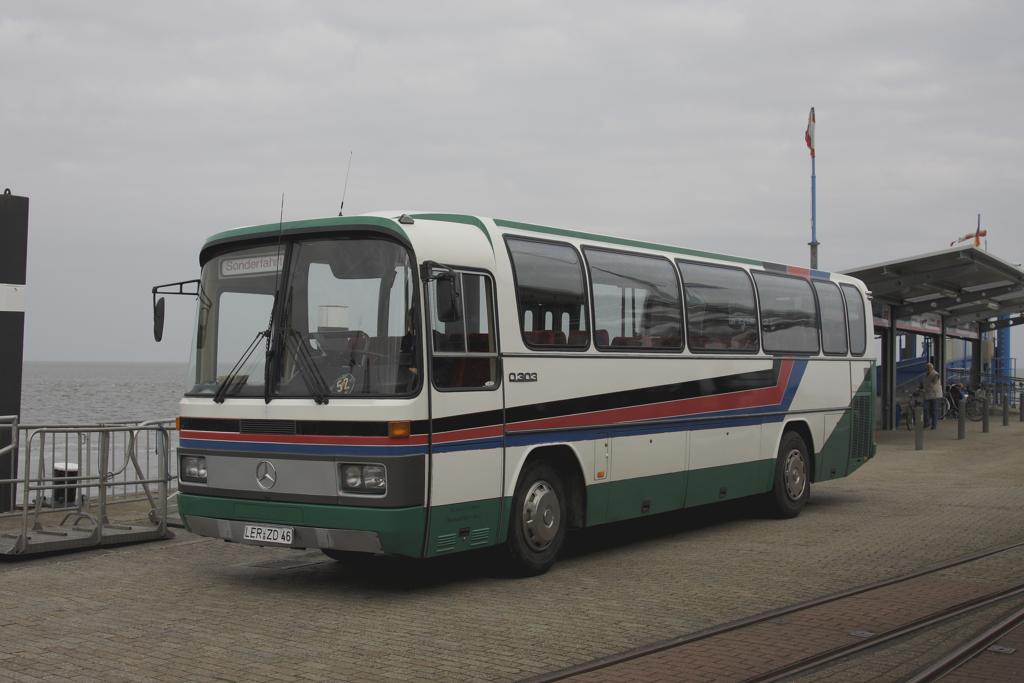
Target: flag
x,y
809,133
976,236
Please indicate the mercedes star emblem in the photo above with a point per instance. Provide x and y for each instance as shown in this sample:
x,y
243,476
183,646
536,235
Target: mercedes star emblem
x,y
266,475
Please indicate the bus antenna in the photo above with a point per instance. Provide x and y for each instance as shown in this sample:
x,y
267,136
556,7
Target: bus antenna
x,y
345,189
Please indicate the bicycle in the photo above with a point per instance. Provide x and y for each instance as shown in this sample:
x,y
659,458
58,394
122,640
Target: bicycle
x,y
953,399
909,414
975,402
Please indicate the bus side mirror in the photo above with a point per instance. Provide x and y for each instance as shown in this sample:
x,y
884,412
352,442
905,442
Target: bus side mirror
x,y
449,308
158,319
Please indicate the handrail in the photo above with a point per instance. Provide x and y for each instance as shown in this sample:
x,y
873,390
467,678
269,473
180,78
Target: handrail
x,y
10,422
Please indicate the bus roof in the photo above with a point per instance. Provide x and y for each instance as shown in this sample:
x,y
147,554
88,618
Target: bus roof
x,y
388,220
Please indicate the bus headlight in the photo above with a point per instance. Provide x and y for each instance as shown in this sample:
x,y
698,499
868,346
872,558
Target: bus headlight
x,y
193,468
372,479
375,478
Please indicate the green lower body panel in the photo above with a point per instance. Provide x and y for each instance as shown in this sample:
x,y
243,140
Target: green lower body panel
x,y
465,526
714,484
400,529
616,500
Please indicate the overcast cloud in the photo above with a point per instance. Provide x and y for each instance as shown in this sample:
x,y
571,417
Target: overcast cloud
x,y
139,129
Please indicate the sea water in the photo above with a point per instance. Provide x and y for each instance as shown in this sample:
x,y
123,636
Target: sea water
x,y
66,393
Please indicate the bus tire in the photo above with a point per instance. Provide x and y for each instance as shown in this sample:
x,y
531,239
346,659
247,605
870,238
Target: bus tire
x,y
792,485
539,516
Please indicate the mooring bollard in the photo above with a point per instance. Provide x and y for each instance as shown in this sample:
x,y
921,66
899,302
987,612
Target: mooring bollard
x,y
918,428
1006,408
984,413
961,421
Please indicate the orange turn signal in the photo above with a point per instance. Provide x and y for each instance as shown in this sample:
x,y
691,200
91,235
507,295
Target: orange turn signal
x,y
600,474
177,424
399,430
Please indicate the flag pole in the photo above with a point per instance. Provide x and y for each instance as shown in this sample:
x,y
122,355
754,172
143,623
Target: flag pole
x,y
809,139
814,218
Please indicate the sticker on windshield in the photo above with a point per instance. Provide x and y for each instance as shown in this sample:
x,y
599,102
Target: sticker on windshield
x,y
258,264
345,384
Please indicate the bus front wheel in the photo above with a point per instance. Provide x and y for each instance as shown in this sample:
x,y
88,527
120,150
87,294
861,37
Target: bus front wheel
x,y
537,528
792,485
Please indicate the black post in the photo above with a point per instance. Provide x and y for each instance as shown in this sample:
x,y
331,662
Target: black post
x,y
985,417
13,250
918,426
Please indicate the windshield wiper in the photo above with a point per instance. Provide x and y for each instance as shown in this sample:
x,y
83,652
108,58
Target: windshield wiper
x,y
307,368
225,384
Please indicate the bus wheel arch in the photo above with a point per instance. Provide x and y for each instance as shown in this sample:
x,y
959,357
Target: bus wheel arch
x,y
566,461
792,472
804,430
547,499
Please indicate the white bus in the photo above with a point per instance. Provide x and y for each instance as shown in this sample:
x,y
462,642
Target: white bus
x,y
425,384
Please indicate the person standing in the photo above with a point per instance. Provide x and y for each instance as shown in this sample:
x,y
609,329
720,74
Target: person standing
x,y
932,396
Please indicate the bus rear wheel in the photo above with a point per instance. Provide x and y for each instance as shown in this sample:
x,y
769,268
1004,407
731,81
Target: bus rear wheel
x,y
792,485
537,529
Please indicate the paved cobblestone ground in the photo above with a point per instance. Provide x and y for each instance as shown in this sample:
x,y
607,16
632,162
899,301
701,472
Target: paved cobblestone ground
x,y
203,609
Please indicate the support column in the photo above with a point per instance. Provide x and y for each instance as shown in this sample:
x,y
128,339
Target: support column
x,y
940,354
976,359
13,250
889,374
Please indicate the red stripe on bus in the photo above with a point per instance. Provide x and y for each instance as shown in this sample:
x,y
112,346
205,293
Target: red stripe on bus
x,y
467,434
704,404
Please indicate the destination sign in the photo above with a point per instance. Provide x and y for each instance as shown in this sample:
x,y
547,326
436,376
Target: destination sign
x,y
258,264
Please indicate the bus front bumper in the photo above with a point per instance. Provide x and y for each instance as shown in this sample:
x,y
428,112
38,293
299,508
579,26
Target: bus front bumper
x,y
302,537
392,531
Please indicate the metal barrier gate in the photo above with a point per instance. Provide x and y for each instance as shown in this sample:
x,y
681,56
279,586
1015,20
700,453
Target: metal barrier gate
x,y
77,473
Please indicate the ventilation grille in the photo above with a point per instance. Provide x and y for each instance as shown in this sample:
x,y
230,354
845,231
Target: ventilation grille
x,y
266,426
445,543
480,536
861,427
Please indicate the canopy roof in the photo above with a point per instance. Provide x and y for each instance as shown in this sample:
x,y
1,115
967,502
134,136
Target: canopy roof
x,y
962,284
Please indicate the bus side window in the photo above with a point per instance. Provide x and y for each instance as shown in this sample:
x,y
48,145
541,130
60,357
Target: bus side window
x,y
855,310
789,318
550,293
833,318
720,310
636,297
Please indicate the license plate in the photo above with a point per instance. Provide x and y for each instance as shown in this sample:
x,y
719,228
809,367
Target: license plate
x,y
267,534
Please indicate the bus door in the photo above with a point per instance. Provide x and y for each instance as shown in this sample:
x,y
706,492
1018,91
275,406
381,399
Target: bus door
x,y
466,413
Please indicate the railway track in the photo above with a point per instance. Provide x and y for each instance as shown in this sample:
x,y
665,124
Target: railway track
x,y
794,640
968,651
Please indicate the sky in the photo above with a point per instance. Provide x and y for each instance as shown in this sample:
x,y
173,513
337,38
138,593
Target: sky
x,y
140,129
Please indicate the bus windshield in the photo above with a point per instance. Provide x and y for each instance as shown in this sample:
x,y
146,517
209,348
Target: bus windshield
x,y
345,322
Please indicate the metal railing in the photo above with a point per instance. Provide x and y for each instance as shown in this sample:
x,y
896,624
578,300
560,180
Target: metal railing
x,y
999,386
80,470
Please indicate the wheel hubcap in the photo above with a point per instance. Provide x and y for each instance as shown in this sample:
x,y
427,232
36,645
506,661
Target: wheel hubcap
x,y
541,515
795,474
